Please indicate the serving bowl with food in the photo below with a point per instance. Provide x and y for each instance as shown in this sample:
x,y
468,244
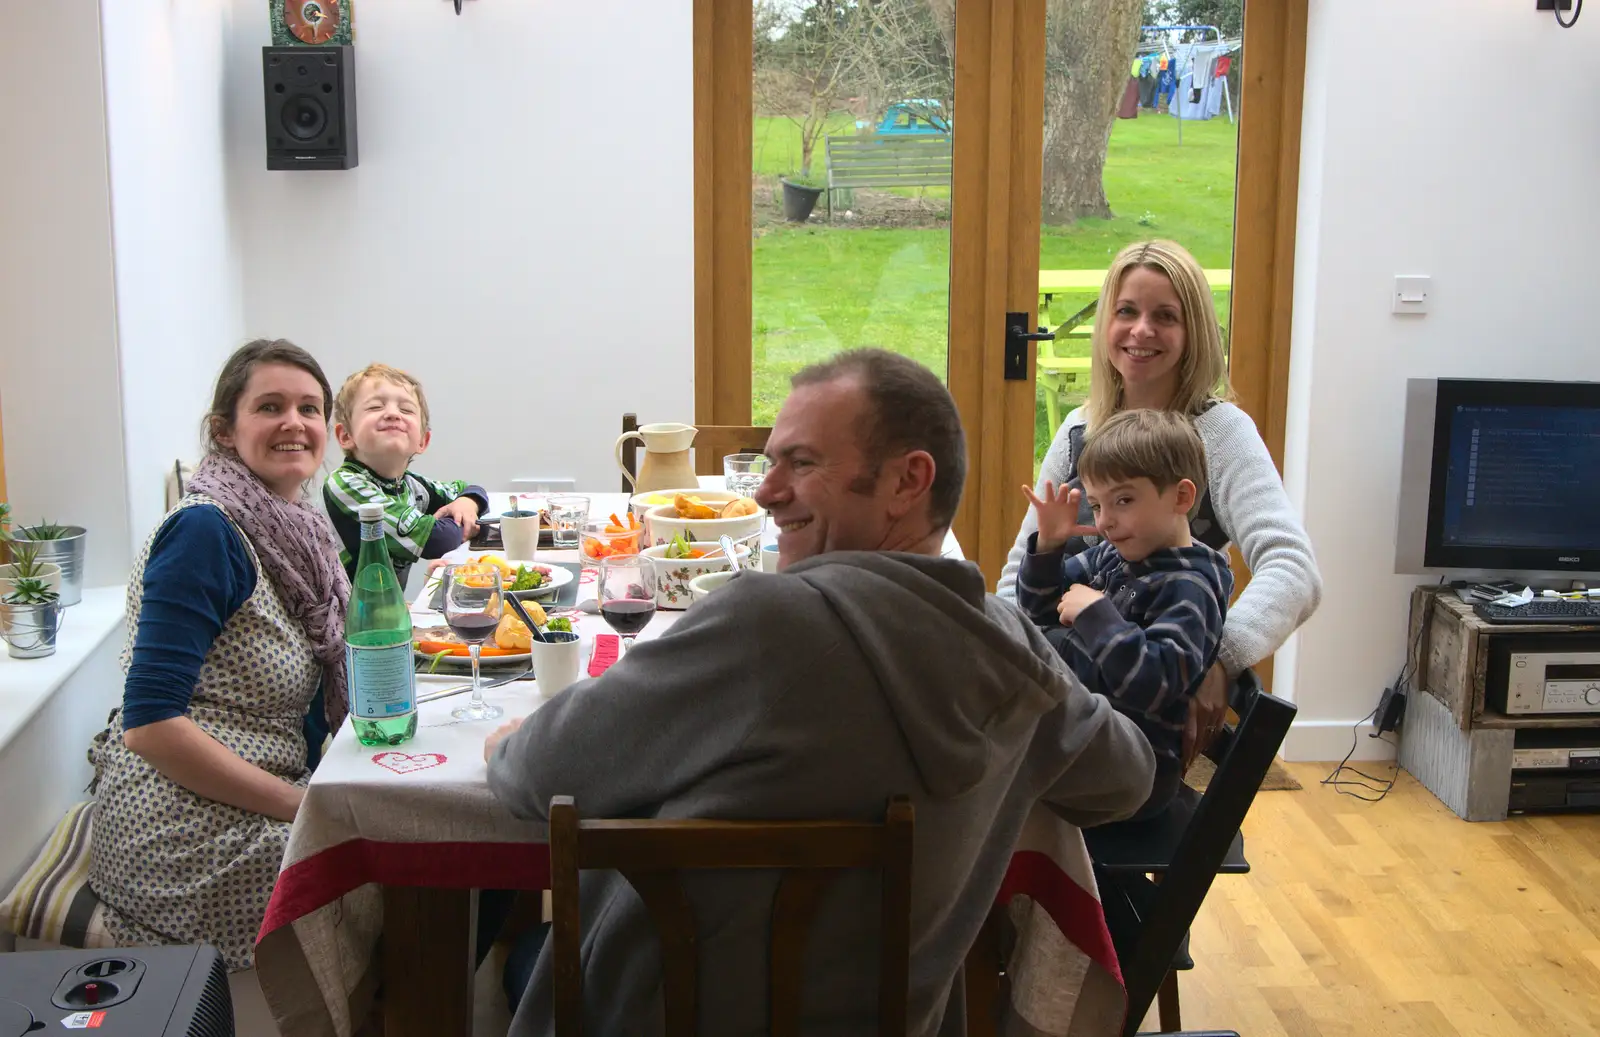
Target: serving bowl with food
x,y
702,519
677,563
601,538
640,503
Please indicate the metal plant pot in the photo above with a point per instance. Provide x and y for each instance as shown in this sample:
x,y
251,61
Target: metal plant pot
x,y
66,552
30,630
50,574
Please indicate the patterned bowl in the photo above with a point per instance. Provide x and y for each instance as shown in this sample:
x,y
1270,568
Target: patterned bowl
x,y
673,575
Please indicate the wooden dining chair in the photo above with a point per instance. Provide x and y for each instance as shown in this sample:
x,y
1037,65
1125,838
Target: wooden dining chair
x,y
711,444
714,442
649,854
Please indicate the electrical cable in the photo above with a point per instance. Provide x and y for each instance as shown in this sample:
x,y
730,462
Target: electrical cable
x,y
1577,11
1382,786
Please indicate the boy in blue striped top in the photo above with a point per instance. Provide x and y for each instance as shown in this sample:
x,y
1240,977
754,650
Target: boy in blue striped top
x,y
381,421
1138,615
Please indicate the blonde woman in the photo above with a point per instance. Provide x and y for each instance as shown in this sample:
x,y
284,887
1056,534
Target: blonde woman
x,y
1157,344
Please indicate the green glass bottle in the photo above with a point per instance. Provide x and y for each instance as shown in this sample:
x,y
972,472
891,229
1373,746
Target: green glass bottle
x,y
377,636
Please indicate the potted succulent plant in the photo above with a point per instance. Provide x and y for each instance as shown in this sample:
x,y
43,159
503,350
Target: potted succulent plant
x,y
31,568
58,545
30,615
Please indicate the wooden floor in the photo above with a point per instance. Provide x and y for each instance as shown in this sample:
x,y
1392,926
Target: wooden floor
x,y
1399,918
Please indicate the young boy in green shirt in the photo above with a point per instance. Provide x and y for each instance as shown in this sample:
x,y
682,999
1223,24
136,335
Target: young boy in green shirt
x,y
381,421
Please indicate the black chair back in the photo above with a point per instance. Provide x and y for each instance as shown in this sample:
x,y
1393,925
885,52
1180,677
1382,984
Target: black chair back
x,y
1243,753
630,449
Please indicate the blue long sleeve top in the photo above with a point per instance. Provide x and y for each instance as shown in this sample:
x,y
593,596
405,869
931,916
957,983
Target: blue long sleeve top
x,y
197,575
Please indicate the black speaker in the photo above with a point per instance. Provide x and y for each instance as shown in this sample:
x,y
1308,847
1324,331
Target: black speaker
x,y
136,991
311,107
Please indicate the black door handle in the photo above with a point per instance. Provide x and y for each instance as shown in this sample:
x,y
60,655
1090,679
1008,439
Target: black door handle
x,y
1017,338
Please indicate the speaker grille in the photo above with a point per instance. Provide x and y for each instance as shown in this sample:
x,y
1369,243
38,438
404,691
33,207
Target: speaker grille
x,y
213,1015
304,117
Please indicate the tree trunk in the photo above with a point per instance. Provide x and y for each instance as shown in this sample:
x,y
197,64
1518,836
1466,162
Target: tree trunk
x,y
1089,47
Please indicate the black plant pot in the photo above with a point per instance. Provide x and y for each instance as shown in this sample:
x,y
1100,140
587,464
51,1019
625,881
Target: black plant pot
x,y
798,201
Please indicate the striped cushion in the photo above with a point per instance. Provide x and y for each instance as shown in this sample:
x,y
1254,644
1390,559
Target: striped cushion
x,y
52,901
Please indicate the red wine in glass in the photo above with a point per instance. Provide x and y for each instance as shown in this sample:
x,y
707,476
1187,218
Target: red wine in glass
x,y
472,599
628,616
472,626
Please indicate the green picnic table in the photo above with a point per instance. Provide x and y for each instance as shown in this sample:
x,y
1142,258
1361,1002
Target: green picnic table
x,y
1064,375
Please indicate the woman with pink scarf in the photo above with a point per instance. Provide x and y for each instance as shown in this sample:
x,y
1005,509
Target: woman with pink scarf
x,y
235,671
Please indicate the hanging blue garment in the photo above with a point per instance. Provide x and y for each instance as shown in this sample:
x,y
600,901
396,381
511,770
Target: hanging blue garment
x,y
1166,84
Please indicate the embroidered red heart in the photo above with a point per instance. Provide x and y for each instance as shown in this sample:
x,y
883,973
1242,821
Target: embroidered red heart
x,y
405,763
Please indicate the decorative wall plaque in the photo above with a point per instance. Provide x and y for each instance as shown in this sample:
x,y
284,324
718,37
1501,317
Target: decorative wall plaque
x,y
312,23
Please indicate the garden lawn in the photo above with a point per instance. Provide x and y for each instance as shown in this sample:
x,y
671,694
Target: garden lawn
x,y
820,288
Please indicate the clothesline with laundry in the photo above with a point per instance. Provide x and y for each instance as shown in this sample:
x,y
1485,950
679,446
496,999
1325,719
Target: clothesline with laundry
x,y
1189,79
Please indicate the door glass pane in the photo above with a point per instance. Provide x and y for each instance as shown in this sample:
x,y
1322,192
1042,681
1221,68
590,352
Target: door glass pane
x,y
1168,170
859,97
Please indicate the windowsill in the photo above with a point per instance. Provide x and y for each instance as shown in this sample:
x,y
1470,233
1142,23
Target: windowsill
x,y
27,684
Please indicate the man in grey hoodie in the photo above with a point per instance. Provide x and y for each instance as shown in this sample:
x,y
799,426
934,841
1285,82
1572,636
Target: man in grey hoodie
x,y
869,666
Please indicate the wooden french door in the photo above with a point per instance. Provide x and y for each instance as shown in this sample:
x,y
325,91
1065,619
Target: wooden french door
x,y
951,274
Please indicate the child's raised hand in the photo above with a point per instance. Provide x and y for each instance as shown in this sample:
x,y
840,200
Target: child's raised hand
x,y
1058,515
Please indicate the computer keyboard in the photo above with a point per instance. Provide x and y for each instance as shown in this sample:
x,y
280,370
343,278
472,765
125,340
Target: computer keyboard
x,y
1542,610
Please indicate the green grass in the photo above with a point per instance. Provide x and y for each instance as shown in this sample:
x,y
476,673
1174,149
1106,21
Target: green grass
x,y
819,289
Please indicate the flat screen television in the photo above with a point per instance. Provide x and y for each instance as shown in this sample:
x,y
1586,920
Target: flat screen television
x,y
1500,479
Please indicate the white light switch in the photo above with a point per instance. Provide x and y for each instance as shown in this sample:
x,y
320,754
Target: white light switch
x,y
1411,293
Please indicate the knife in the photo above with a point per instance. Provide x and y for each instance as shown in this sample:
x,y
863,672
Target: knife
x,y
444,693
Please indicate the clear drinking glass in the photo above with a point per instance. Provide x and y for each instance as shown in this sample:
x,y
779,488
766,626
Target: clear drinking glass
x,y
472,600
567,516
743,473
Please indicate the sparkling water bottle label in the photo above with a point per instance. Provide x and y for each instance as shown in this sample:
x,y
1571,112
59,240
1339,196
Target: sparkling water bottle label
x,y
382,682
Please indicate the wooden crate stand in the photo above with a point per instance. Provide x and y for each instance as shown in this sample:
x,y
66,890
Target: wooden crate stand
x,y
1450,740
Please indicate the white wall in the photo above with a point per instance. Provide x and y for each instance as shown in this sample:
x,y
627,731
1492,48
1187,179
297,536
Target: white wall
x,y
519,233
1450,138
177,267
58,347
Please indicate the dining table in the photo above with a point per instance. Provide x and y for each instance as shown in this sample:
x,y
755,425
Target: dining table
x,y
374,909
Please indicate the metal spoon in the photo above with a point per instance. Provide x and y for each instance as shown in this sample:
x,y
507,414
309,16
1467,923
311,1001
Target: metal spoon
x,y
727,548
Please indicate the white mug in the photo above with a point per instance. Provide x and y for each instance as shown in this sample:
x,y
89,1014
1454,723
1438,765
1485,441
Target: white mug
x,y
768,562
556,663
520,536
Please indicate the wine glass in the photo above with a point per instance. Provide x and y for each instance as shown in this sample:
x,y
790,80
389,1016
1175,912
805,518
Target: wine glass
x,y
472,608
627,597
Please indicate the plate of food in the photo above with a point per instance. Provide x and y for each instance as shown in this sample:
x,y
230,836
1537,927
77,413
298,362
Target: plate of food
x,y
510,645
441,645
524,580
